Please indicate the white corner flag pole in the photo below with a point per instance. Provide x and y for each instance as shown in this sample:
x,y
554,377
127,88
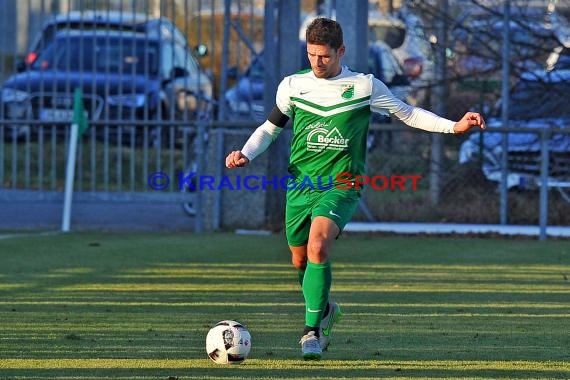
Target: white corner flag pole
x,y
69,178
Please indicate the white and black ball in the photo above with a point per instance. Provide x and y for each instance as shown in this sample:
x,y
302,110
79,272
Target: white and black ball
x,y
228,342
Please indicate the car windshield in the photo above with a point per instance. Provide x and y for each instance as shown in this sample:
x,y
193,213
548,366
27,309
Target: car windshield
x,y
535,100
100,53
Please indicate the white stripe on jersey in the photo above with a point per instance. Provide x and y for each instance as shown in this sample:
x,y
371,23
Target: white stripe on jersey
x,y
333,111
326,94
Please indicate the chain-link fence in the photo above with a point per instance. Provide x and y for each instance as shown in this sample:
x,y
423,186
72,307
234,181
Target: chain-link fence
x,y
138,129
468,193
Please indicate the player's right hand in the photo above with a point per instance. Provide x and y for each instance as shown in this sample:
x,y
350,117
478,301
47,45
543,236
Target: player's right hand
x,y
236,159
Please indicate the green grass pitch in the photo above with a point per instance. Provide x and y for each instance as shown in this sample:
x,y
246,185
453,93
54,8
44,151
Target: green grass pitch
x,y
139,306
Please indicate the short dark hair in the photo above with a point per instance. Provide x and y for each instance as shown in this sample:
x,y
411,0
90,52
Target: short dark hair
x,y
324,31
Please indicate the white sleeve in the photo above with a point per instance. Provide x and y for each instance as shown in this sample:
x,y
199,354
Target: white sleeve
x,y
383,101
267,132
428,121
283,97
260,139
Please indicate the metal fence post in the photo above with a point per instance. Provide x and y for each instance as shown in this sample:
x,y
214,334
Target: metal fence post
x,y
219,157
353,16
504,191
439,104
200,152
543,196
225,57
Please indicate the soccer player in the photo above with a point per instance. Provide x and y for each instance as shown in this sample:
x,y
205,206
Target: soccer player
x,y
330,106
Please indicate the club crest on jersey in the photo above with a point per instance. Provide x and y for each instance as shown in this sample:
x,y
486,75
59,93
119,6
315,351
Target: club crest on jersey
x,y
347,91
320,139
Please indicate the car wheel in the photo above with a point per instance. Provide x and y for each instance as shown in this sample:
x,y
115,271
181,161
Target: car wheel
x,y
189,207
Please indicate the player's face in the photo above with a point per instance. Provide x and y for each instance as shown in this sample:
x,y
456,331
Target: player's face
x,y
325,61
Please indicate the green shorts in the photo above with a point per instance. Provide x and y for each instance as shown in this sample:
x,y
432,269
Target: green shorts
x,y
306,203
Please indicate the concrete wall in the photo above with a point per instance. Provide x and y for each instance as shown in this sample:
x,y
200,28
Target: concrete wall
x,y
227,209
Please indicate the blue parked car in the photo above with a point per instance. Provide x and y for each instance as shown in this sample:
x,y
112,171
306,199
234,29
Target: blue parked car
x,y
127,77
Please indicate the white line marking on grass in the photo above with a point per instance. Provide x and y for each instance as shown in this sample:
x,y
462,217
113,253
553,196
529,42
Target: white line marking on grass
x,y
32,234
451,228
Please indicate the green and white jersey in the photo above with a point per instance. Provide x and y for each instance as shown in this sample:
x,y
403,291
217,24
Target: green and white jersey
x,y
331,118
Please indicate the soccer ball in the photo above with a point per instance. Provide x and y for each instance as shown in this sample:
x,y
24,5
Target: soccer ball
x,y
228,342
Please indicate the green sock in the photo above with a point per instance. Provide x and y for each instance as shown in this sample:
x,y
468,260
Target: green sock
x,y
316,288
301,274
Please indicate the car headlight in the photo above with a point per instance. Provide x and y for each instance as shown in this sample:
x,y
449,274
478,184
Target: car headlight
x,y
13,95
127,100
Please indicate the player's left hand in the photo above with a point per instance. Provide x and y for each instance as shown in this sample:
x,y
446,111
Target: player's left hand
x,y
236,159
468,121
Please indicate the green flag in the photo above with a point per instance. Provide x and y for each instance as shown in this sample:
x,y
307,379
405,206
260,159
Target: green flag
x,y
79,116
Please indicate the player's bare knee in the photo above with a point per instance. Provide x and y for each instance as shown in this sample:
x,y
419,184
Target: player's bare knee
x,y
317,251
